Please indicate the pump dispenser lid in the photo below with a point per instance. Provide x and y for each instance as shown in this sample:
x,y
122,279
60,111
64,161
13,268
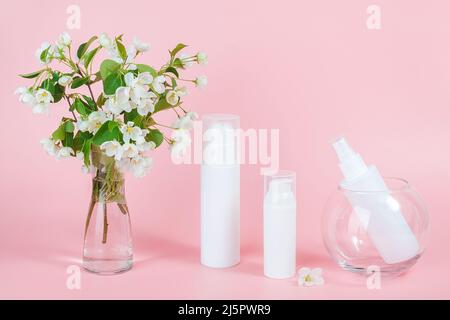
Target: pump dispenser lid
x,y
279,186
350,162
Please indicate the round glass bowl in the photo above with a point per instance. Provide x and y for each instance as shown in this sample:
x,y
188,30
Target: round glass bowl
x,y
381,230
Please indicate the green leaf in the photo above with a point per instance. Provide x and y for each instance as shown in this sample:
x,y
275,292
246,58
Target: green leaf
x,y
121,49
52,86
112,82
173,70
80,107
177,49
101,100
162,104
43,56
107,67
84,46
78,82
60,133
80,139
90,103
32,74
68,139
69,127
89,56
108,131
177,63
87,151
146,68
134,116
156,136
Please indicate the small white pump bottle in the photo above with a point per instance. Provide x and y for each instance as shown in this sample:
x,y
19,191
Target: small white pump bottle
x,y
376,209
280,225
220,191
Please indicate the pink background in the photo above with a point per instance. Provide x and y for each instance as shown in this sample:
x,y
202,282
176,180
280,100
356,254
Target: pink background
x,y
310,68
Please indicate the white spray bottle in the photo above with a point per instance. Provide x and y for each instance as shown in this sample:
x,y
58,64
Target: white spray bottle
x,y
384,222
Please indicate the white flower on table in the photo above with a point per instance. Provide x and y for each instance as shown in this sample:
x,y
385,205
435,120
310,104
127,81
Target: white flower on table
x,y
202,58
181,140
201,81
173,96
140,45
64,152
49,146
310,277
186,122
139,165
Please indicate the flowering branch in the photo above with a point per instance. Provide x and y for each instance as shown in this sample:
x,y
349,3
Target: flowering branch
x,y
119,121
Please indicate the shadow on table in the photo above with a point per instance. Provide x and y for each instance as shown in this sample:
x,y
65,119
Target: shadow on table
x,y
152,248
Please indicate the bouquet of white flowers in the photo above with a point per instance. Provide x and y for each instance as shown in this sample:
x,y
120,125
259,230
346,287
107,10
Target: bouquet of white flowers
x,y
119,122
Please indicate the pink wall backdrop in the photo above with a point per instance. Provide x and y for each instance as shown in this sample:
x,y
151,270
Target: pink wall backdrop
x,y
310,68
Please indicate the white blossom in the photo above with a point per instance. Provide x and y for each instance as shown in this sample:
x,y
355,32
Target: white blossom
x,y
130,131
112,149
119,102
202,58
201,81
44,46
41,102
94,121
139,45
185,122
158,84
64,40
64,152
129,150
186,60
139,165
309,278
49,146
181,140
26,96
65,80
173,96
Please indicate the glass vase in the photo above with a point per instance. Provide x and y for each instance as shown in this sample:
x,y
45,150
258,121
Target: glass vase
x,y
107,236
376,230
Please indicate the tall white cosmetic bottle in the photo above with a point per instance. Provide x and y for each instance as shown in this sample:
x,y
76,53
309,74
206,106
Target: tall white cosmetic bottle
x,y
376,209
279,225
220,191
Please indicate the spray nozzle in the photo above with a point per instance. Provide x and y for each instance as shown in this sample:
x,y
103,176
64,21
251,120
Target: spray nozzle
x,y
343,149
350,162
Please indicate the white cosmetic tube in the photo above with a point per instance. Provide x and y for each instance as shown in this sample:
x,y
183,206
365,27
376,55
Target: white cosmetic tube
x,y
220,191
279,225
